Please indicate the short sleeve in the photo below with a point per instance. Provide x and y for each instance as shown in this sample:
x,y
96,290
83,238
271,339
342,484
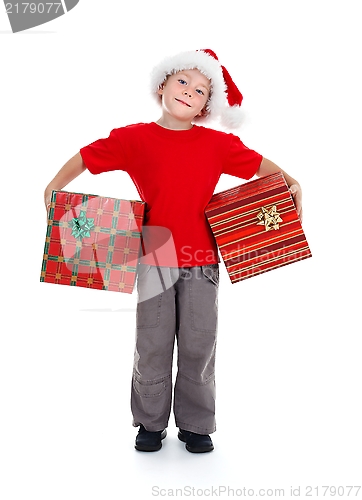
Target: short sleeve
x,y
241,161
104,155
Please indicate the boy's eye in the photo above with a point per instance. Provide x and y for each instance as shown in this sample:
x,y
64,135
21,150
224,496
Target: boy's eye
x,y
180,80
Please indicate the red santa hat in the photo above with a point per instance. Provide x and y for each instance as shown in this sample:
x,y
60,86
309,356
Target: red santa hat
x,y
225,98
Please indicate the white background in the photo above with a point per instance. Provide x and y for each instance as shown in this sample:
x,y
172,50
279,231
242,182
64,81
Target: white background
x,y
289,347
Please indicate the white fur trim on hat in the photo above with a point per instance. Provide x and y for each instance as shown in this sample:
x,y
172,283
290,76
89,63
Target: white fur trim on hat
x,y
208,66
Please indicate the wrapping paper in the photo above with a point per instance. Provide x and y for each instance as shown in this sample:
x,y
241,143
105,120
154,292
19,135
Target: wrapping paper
x,y
256,227
92,241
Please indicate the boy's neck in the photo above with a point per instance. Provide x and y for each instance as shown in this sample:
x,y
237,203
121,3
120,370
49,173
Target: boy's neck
x,y
172,124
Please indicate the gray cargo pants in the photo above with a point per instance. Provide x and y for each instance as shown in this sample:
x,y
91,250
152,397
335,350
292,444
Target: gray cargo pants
x,y
182,303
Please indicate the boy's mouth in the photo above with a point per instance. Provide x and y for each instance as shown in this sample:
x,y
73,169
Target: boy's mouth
x,y
182,102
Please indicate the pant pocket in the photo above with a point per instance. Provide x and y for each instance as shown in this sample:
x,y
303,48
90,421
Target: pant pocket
x,y
151,396
204,299
211,271
142,270
148,312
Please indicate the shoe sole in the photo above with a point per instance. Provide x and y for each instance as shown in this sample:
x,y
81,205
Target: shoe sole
x,y
148,448
194,450
152,448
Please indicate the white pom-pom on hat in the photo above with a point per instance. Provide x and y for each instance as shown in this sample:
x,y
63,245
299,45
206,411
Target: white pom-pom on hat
x,y
225,98
232,117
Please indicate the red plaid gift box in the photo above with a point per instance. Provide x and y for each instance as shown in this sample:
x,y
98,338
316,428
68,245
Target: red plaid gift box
x,y
256,227
92,241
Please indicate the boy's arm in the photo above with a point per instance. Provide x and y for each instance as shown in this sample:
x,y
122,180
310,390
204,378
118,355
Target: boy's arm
x,y
74,167
267,167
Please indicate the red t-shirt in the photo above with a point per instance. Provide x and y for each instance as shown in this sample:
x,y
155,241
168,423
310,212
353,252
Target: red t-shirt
x,y
175,173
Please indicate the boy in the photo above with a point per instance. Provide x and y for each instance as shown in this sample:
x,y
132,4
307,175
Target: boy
x,y
175,166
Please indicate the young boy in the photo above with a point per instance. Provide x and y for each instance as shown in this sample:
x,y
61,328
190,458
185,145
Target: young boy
x,y
175,166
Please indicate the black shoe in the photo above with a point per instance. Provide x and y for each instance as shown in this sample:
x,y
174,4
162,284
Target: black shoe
x,y
196,443
149,441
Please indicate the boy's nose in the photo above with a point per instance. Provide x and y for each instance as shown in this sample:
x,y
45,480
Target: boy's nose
x,y
186,93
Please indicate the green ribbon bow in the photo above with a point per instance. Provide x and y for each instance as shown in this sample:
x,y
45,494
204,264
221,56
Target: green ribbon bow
x,y
81,226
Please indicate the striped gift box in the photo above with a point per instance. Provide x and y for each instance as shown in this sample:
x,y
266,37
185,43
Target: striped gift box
x,y
92,241
256,227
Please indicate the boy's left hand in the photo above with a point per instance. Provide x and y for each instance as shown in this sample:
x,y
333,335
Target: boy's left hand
x,y
296,192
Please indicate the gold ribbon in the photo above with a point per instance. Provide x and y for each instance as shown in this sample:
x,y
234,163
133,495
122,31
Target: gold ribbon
x,y
269,218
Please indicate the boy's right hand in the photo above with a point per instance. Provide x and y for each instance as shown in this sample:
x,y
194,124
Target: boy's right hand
x,y
47,204
74,167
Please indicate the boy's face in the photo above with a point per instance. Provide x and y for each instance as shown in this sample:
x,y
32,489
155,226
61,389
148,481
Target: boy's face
x,y
185,94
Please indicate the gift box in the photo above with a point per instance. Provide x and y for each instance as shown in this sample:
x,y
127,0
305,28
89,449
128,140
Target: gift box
x,y
256,227
92,241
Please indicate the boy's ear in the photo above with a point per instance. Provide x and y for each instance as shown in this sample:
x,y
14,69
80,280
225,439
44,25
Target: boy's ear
x,y
203,112
160,89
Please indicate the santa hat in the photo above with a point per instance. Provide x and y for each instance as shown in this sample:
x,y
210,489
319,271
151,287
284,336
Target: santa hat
x,y
225,98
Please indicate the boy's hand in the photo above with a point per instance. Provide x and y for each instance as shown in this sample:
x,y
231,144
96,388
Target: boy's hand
x,y
74,167
296,192
47,204
267,167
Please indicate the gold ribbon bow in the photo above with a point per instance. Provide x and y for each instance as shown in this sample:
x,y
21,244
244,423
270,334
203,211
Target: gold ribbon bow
x,y
269,218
